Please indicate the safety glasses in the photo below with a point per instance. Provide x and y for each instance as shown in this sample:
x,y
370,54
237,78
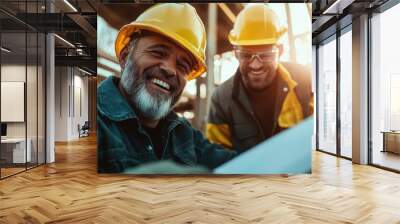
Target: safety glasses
x,y
266,57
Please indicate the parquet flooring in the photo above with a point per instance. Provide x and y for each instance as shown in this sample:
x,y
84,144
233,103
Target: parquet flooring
x,y
70,191
9,171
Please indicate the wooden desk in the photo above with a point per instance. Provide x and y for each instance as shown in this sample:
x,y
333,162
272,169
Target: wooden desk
x,y
391,141
13,150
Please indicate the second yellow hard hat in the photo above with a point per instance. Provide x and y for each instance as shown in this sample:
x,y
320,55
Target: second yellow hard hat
x,y
256,24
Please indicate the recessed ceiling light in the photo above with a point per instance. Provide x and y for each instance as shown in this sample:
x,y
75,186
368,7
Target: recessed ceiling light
x,y
5,50
65,41
84,71
71,6
337,7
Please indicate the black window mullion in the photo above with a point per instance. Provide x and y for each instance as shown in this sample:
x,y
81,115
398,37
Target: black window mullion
x,y
0,96
369,90
45,87
37,90
338,98
316,108
26,87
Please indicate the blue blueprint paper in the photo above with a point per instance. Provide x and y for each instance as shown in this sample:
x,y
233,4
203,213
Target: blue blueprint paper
x,y
289,152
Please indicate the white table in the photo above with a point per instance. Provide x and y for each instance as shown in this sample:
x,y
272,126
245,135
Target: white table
x,y
18,149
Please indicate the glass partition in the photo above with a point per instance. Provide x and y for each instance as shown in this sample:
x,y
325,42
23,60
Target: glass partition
x,y
13,95
41,109
22,90
31,98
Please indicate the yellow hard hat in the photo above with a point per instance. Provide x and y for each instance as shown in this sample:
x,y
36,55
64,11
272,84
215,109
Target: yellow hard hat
x,y
177,21
256,24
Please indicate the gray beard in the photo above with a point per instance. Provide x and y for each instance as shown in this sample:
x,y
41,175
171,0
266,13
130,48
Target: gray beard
x,y
149,106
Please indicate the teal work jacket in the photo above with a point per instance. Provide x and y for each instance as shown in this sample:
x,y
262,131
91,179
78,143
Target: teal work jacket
x,y
123,142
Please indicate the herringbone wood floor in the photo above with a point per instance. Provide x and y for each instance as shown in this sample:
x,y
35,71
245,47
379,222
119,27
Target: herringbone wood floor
x,y
70,191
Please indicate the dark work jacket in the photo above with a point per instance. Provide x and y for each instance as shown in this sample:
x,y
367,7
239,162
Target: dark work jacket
x,y
123,142
232,122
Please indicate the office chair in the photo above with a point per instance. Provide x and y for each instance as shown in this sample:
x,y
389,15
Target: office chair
x,y
84,130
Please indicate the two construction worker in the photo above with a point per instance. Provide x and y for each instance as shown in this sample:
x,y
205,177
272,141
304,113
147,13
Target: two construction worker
x,y
163,49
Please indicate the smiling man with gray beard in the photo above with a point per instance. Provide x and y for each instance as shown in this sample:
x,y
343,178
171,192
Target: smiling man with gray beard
x,y
134,86
158,53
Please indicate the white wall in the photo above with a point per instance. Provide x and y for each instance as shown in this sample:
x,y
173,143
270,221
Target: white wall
x,y
12,73
33,126
71,93
80,109
61,103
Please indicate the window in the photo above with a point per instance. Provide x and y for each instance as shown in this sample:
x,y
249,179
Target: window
x,y
327,96
346,94
385,89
